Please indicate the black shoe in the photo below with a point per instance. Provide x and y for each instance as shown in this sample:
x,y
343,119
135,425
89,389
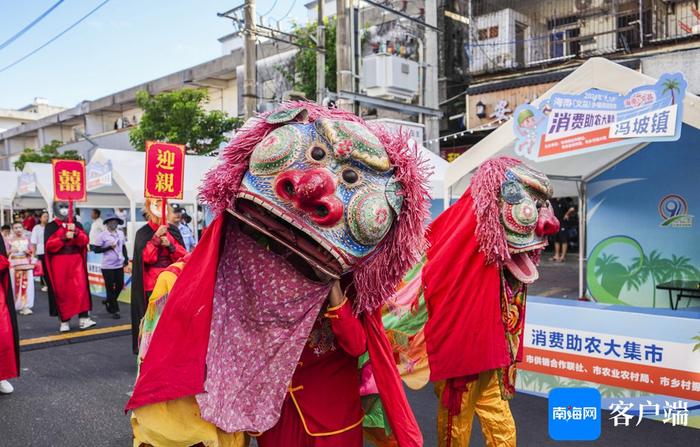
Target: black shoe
x,y
104,302
116,315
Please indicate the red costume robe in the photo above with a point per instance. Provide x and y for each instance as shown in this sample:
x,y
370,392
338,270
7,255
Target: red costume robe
x,y
169,373
327,367
65,265
9,339
150,258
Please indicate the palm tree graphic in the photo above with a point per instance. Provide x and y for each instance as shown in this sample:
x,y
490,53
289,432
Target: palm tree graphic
x,y
671,85
654,267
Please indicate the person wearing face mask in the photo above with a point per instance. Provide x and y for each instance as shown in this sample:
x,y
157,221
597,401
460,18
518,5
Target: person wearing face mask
x,y
156,246
110,243
65,256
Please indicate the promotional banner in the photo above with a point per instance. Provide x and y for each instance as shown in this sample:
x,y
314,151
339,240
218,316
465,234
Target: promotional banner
x,y
69,180
628,355
97,281
26,183
99,175
566,125
165,167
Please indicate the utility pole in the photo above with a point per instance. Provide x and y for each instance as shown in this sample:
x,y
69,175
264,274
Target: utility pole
x,y
344,54
320,54
432,125
249,78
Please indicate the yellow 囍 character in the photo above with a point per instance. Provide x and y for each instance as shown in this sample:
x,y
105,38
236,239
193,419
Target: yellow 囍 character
x,y
69,181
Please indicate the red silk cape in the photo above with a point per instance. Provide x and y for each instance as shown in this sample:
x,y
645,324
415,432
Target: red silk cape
x,y
175,365
464,333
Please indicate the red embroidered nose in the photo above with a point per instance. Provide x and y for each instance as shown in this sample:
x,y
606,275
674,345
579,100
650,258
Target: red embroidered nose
x,y
312,192
547,223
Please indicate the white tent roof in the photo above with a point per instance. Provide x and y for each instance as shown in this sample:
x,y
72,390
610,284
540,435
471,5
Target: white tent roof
x,y
8,186
437,178
128,173
595,73
43,197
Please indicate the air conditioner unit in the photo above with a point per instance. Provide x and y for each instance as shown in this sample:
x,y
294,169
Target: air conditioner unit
x,y
583,6
390,77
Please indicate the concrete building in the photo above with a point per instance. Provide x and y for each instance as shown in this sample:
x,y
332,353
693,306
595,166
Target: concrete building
x,y
512,51
106,121
39,108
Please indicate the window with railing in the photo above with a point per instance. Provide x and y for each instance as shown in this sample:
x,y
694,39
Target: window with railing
x,y
514,34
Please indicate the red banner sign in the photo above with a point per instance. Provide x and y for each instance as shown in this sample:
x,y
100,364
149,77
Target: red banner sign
x,y
165,170
69,180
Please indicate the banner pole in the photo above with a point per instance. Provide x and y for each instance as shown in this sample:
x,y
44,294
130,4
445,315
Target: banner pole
x,y
70,211
163,219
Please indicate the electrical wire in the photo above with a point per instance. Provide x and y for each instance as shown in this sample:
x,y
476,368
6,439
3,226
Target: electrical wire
x,y
19,33
294,3
57,36
269,10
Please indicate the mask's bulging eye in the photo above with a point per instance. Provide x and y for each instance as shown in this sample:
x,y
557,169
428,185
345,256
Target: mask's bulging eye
x,y
350,176
317,153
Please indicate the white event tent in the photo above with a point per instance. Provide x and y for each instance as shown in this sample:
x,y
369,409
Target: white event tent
x,y
569,175
128,175
8,185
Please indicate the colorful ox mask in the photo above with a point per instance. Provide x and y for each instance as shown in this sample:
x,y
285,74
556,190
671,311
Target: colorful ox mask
x,y
527,218
514,217
342,194
331,180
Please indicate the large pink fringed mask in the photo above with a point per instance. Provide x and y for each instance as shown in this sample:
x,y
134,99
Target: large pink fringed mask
x,y
343,195
513,214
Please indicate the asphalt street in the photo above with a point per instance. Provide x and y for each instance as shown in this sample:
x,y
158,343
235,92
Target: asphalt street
x,y
74,394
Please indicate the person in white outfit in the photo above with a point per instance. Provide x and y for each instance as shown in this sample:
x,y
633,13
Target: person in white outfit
x,y
21,269
37,240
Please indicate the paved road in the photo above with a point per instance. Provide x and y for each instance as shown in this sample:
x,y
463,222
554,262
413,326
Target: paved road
x,y
73,396
40,324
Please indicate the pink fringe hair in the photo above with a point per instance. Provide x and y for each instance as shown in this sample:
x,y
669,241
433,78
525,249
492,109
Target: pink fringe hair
x,y
376,276
485,189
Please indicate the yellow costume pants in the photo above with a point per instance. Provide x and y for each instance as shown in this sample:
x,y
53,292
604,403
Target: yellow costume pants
x,y
483,397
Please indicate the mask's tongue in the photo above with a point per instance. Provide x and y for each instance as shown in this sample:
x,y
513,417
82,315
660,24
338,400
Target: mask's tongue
x,y
522,268
263,312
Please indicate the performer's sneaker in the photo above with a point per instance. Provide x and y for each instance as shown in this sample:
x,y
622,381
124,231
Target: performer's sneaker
x,y
65,327
44,289
86,323
26,311
5,387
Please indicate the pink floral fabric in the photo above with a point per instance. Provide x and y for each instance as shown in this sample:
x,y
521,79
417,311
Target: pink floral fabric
x,y
263,313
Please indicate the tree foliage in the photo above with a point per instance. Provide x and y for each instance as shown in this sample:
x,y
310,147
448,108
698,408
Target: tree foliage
x,y
178,117
45,155
305,62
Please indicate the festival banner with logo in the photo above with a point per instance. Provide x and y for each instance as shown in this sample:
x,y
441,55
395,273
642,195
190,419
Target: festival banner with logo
x,y
26,183
640,229
566,125
99,175
165,168
69,180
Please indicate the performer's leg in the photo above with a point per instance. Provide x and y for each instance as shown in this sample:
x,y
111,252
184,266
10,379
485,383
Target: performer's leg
x,y
42,278
118,286
494,414
459,426
109,278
